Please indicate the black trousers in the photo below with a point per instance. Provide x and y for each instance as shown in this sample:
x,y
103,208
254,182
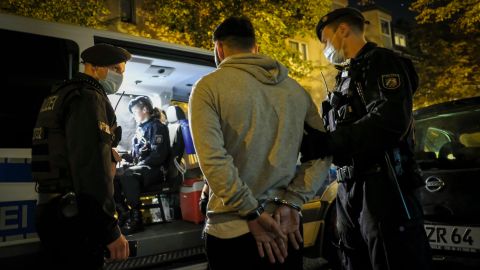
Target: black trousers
x,y
64,242
135,179
242,253
373,227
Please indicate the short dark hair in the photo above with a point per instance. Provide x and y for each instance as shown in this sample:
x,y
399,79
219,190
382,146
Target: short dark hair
x,y
351,16
354,22
141,102
236,32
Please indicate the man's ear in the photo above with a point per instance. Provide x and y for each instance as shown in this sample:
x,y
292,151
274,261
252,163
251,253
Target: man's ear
x,y
344,30
220,51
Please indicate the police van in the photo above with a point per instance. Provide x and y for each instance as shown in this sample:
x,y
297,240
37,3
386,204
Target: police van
x,y
38,54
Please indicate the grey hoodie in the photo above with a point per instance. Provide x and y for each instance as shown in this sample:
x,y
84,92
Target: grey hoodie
x,y
247,122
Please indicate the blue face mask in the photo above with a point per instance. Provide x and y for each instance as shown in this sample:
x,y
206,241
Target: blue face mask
x,y
112,82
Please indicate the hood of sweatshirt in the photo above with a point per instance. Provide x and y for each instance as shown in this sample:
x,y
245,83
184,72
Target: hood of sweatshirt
x,y
263,68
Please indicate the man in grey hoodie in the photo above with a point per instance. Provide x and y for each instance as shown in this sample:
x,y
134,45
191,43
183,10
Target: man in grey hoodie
x,y
247,120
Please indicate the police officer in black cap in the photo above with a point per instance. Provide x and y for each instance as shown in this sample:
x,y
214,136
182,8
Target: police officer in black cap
x,y
369,124
73,163
150,153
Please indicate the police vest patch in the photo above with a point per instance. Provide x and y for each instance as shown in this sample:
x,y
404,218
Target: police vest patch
x,y
104,127
48,103
38,134
158,139
391,81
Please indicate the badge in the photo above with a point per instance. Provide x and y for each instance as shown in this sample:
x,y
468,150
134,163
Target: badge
x,y
391,81
48,104
158,139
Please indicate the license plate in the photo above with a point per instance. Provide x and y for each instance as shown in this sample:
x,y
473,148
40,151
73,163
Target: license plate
x,y
456,238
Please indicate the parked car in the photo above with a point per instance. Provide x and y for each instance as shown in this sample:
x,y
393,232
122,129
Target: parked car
x,y
448,153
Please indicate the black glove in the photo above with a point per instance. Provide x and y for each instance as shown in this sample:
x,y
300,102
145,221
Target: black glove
x,y
315,144
128,158
203,203
117,136
145,151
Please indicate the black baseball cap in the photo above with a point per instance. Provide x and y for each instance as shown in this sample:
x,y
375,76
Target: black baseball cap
x,y
105,55
234,26
338,13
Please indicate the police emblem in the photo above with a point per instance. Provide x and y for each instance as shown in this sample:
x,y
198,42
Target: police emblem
x,y
158,139
391,81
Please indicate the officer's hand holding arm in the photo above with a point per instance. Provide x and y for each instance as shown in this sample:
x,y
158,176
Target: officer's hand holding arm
x,y
119,249
269,237
316,144
315,161
289,220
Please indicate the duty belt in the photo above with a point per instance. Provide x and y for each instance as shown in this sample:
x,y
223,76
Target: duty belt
x,y
344,173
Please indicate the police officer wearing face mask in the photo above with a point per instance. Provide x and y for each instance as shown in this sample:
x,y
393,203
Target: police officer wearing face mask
x,y
73,164
369,126
150,153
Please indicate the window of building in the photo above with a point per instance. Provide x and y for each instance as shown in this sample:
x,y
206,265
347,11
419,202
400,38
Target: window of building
x,y
127,11
385,25
400,40
301,47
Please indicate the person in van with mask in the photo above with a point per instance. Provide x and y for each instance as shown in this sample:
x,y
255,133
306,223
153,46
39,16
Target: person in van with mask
x,y
150,156
73,163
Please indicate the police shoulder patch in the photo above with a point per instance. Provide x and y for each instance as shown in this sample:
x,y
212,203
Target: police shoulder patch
x,y
104,127
391,81
158,139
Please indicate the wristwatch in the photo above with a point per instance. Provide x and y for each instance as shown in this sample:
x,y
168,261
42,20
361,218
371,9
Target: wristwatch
x,y
255,213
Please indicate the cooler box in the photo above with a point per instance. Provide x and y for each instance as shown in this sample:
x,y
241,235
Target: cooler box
x,y
190,193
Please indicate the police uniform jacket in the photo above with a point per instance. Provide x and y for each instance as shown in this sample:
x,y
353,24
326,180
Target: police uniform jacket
x,y
370,110
72,151
151,144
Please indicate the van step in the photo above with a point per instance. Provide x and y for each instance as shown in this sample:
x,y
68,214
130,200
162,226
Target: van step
x,y
191,254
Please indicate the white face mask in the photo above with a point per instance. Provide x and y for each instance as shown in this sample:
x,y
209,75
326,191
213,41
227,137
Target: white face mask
x,y
112,82
334,56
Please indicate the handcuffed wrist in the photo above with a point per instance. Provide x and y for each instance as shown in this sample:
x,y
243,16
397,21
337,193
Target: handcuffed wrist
x,y
279,201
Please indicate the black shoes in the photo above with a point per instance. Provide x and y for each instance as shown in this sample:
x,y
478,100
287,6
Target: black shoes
x,y
133,223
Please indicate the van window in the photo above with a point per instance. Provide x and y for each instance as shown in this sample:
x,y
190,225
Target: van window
x,y
31,65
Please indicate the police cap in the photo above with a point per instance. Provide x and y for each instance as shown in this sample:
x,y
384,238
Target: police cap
x,y
234,26
142,101
338,13
105,55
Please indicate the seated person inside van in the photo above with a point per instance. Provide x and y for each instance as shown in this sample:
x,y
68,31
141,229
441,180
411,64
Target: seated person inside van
x,y
149,159
174,117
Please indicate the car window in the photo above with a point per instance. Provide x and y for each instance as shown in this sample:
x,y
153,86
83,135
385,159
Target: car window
x,y
449,140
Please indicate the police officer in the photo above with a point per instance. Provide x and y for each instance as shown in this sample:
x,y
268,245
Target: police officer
x,y
73,163
151,150
370,135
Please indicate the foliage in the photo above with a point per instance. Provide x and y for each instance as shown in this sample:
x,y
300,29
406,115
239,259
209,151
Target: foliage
x,y
86,12
192,23
462,15
449,38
